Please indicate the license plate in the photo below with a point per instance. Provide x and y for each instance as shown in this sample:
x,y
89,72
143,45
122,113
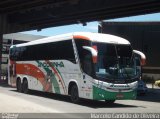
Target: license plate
x,y
119,96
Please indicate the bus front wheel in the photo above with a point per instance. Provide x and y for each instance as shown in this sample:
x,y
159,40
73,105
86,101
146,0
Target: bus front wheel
x,y
74,94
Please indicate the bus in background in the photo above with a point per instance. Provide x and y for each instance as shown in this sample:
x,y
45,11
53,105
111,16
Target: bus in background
x,y
81,64
10,68
140,59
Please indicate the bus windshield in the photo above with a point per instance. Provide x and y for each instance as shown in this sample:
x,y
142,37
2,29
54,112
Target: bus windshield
x,y
115,61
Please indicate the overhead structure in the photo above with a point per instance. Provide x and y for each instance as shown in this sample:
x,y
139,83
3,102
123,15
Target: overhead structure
x,y
21,15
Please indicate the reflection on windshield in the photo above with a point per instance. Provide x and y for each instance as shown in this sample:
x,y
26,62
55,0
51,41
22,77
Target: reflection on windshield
x,y
115,61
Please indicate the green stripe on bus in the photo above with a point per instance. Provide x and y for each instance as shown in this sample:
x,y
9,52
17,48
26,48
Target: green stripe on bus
x,y
101,94
57,73
61,76
53,78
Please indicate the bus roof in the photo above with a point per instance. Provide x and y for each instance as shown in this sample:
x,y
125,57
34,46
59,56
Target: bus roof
x,y
94,37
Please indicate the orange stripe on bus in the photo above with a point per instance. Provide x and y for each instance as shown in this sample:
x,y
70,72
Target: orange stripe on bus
x,y
31,70
80,37
48,87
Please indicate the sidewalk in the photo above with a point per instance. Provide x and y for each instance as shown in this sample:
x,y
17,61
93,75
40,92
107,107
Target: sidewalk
x,y
11,102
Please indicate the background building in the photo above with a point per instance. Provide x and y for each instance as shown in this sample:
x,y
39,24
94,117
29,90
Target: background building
x,y
144,36
8,40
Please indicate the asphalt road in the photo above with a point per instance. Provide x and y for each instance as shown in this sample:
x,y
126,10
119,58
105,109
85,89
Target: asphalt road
x,y
12,101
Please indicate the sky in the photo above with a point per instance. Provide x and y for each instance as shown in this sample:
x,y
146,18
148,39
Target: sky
x,y
91,26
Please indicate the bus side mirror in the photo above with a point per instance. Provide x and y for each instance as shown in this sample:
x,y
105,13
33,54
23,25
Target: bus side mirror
x,y
93,52
142,57
143,62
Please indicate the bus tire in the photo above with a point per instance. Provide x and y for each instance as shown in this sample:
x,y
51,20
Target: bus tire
x,y
74,95
19,85
109,102
25,86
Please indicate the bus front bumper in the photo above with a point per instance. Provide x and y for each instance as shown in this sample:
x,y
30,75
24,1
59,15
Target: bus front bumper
x,y
101,94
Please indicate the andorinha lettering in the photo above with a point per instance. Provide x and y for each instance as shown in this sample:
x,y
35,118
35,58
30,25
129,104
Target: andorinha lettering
x,y
54,64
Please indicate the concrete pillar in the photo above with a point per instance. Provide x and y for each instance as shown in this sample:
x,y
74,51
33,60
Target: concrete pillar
x,y
1,42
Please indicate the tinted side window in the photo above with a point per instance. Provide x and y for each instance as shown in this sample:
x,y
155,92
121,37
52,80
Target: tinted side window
x,y
85,56
12,54
55,50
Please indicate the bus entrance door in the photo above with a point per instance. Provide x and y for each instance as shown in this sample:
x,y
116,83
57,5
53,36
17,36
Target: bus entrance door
x,y
87,86
12,74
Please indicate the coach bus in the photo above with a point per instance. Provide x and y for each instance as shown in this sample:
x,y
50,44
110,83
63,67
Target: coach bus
x,y
81,64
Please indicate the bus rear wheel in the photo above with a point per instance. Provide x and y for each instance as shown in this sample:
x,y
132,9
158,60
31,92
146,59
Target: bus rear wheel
x,y
25,86
19,85
74,94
